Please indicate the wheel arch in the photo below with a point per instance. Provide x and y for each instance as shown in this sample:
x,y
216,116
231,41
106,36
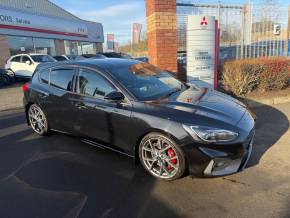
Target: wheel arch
x,y
26,112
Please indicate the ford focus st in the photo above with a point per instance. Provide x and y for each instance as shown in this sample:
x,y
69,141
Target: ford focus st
x,y
141,111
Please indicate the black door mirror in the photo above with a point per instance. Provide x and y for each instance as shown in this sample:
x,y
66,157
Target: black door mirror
x,y
115,96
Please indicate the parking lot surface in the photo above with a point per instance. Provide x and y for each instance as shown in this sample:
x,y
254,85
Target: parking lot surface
x,y
60,176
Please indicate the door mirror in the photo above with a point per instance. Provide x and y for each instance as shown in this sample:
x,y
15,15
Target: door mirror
x,y
115,96
28,62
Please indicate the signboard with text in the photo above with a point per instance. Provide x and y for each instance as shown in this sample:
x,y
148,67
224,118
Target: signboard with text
x,y
201,49
34,23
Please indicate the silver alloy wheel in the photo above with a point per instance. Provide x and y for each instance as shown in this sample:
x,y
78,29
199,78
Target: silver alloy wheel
x,y
157,159
37,119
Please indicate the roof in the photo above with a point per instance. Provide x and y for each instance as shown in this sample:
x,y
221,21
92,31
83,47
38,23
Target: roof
x,y
27,54
108,64
39,7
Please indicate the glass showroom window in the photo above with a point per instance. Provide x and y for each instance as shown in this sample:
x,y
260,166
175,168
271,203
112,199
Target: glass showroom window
x,y
72,48
44,46
88,47
19,44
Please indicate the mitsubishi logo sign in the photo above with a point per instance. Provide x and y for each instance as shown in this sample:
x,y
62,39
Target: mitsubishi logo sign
x,y
203,22
201,49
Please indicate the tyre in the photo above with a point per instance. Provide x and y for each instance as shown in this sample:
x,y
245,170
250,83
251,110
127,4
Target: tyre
x,y
37,120
4,80
161,157
11,75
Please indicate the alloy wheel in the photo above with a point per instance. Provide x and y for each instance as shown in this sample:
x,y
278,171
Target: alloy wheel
x,y
160,157
37,120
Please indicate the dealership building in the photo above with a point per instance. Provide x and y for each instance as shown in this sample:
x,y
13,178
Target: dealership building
x,y
29,26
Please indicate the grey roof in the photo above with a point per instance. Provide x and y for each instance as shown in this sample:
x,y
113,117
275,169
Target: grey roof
x,y
39,7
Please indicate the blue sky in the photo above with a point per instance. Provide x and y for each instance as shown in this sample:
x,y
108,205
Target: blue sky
x,y
118,15
115,15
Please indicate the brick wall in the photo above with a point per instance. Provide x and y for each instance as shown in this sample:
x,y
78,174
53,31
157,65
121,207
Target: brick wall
x,y
162,33
4,50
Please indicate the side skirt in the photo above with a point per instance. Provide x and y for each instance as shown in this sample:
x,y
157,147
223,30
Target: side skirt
x,y
96,144
102,146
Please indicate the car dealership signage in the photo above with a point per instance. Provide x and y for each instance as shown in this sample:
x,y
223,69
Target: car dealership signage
x,y
201,49
30,22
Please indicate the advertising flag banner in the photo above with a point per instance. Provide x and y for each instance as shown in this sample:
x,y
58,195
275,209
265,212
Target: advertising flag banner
x,y
136,32
110,41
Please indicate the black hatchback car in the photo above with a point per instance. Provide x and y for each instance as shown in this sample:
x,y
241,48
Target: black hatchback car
x,y
141,111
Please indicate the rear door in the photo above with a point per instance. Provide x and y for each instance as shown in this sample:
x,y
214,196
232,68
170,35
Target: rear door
x,y
15,65
59,108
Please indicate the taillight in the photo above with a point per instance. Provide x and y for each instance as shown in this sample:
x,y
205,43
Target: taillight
x,y
25,87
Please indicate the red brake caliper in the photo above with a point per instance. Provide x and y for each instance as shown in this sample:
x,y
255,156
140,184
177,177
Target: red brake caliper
x,y
171,154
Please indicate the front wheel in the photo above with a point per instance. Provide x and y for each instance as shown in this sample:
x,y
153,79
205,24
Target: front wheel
x,y
161,157
37,120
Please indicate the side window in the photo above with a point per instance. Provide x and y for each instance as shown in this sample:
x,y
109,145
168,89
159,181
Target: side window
x,y
25,58
16,59
62,78
92,84
44,76
60,58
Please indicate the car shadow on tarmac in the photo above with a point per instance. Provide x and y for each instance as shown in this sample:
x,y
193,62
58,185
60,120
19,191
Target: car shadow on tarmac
x,y
271,125
60,176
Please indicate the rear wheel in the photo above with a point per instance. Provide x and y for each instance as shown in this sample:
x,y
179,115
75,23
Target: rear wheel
x,y
4,80
11,75
37,120
161,157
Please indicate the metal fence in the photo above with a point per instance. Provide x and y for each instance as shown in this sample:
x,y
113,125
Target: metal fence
x,y
245,31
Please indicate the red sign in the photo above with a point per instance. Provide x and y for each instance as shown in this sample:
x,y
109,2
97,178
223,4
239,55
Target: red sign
x,y
136,33
204,21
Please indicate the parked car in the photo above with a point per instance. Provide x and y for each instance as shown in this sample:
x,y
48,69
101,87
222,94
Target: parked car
x,y
181,58
68,57
143,59
116,55
4,78
23,65
141,111
98,56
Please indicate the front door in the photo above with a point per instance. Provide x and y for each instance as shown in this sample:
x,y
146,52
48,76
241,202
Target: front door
x,y
27,66
99,118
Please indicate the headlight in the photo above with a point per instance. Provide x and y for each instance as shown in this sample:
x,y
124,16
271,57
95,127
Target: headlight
x,y
209,134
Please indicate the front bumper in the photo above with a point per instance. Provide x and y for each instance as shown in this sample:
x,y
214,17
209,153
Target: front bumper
x,y
227,166
218,160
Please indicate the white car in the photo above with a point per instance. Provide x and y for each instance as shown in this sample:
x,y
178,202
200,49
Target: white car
x,y
68,57
23,65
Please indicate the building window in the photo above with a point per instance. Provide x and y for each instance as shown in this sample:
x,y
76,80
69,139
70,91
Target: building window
x,y
44,46
19,44
79,48
72,48
88,47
